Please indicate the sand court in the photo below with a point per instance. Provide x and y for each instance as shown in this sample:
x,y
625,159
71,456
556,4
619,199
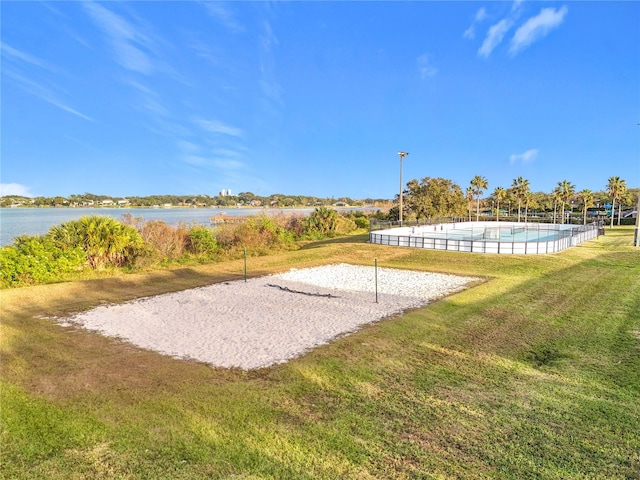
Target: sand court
x,y
267,320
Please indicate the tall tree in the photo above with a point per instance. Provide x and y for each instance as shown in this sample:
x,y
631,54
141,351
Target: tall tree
x,y
435,197
469,197
527,201
615,187
566,191
556,196
520,188
499,194
479,184
587,197
622,199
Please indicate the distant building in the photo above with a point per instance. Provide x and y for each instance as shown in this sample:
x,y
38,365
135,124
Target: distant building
x,y
225,193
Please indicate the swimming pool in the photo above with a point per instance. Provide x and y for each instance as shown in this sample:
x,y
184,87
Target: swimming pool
x,y
487,237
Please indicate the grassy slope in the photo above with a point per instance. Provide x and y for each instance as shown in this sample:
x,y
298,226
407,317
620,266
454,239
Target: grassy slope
x,y
532,374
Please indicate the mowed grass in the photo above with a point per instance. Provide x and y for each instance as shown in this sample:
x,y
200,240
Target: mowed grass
x,y
534,373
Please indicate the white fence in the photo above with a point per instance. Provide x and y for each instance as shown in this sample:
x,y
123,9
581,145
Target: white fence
x,y
488,237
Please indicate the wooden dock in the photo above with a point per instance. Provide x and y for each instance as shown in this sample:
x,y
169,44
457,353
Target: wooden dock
x,y
218,219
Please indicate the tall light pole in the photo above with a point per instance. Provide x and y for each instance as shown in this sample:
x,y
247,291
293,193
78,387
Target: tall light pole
x,y
401,155
636,236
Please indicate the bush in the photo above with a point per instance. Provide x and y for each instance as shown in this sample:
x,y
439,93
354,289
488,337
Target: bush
x,y
104,240
168,242
362,222
200,241
259,234
323,222
294,224
36,260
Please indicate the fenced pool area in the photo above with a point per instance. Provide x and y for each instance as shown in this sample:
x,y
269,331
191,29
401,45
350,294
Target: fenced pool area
x,y
486,237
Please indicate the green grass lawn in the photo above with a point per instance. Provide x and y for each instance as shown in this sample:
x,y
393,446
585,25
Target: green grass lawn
x,y
534,373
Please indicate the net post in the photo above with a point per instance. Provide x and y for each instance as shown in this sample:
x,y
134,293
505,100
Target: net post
x,y
376,277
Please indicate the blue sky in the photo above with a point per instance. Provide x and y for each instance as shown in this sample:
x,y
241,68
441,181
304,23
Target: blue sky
x,y
316,98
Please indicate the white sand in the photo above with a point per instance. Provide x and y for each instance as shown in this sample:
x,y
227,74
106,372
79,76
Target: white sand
x,y
258,323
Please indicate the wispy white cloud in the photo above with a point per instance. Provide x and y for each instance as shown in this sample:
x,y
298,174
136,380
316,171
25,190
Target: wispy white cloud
x,y
494,36
187,146
148,100
228,164
222,13
425,66
68,109
215,126
537,28
130,46
224,159
227,152
515,7
470,32
524,158
14,189
43,93
269,82
196,160
23,57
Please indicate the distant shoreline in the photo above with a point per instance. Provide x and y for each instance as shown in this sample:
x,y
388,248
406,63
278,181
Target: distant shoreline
x,y
215,207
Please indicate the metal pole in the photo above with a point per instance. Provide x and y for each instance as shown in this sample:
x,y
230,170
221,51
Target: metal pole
x,y
401,155
636,237
245,264
376,275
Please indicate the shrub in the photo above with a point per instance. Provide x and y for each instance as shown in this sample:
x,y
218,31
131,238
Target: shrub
x,y
343,226
37,259
322,221
200,241
260,234
168,242
104,240
362,222
294,224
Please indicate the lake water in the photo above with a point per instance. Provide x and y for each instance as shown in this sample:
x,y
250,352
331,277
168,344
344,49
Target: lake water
x,y
37,221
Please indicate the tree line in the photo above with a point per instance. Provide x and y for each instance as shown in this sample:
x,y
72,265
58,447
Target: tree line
x,y
440,197
244,199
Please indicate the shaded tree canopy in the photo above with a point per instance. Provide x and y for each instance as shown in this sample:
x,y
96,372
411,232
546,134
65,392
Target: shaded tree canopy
x,y
435,197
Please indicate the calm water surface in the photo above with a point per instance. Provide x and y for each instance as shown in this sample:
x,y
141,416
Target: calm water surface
x,y
37,221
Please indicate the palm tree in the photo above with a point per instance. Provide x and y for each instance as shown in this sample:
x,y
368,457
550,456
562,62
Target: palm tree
x,y
520,188
565,192
478,183
586,196
527,200
623,198
499,194
105,240
469,197
615,187
323,220
556,199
